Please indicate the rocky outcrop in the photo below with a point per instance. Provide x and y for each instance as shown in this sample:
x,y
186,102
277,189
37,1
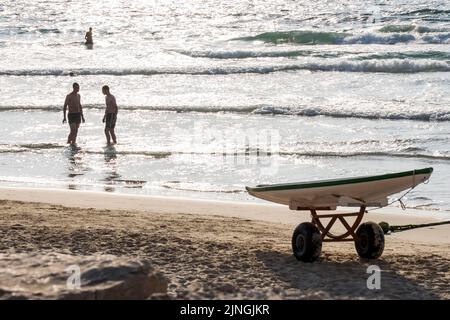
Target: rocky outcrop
x,y
49,275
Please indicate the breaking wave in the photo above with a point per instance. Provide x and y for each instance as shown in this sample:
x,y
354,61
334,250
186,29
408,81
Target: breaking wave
x,y
341,154
395,28
417,55
374,65
408,152
386,35
241,54
311,112
426,11
298,37
437,115
199,187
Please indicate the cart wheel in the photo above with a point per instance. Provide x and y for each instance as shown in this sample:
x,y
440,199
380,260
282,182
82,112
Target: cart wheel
x,y
306,242
370,240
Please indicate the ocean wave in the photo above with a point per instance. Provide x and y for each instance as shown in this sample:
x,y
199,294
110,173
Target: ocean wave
x,y
28,30
425,11
312,112
13,148
241,54
152,72
127,183
396,38
175,109
40,146
382,66
427,207
47,30
389,154
437,38
271,110
32,147
414,55
408,152
196,187
373,38
388,35
109,152
398,28
391,66
144,71
298,37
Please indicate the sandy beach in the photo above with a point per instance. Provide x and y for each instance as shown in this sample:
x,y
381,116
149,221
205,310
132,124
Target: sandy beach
x,y
216,250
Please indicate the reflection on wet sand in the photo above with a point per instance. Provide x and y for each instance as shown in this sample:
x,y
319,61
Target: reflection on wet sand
x,y
76,166
111,176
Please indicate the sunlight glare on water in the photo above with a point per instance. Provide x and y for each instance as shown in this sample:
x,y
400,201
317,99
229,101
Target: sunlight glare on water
x,y
347,87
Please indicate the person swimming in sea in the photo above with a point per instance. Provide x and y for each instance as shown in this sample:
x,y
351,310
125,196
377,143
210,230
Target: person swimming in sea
x,y
75,115
88,37
110,117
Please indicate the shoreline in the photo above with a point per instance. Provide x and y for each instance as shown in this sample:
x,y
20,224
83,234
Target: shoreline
x,y
90,199
258,212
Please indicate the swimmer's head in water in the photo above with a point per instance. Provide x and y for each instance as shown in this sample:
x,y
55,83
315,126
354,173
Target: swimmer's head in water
x,y
76,87
105,89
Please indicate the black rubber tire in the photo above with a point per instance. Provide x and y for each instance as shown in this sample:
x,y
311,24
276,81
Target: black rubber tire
x,y
370,242
306,242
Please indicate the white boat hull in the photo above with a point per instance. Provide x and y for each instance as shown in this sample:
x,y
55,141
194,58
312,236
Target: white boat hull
x,y
368,191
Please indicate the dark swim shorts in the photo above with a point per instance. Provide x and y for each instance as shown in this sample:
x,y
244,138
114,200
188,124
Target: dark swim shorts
x,y
74,117
110,121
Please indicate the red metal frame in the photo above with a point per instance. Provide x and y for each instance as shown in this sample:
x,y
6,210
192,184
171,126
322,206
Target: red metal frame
x,y
327,236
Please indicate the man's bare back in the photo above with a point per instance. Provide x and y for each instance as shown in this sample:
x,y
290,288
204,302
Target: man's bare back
x,y
75,115
110,115
111,105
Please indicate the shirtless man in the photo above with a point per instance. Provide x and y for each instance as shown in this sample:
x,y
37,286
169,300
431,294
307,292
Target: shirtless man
x,y
88,37
110,116
75,114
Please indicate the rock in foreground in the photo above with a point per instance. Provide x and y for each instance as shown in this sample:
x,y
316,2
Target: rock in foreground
x,y
49,275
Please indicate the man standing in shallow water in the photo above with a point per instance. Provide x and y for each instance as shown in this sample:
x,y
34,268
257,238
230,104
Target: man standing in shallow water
x,y
88,37
75,115
110,116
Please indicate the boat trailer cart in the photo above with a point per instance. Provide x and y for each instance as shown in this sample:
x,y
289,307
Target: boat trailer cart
x,y
308,236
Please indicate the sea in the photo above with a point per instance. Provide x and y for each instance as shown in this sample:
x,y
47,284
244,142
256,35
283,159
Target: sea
x,y
216,95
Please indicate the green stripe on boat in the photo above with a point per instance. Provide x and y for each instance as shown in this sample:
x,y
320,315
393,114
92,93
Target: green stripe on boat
x,y
337,182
